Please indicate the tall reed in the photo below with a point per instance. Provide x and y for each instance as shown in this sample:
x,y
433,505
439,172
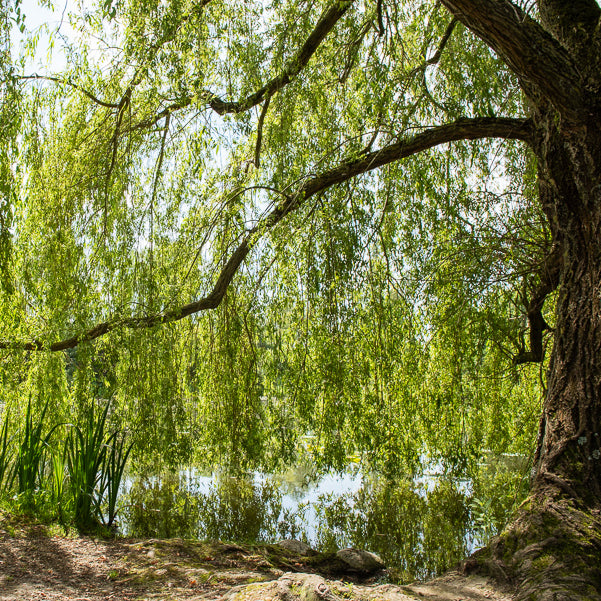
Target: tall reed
x,y
79,475
5,455
58,472
86,452
116,460
32,447
96,461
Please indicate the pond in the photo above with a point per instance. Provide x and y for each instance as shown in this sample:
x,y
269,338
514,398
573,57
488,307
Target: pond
x,y
420,527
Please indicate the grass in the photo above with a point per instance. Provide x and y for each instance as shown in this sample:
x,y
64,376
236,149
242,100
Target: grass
x,y
5,453
75,480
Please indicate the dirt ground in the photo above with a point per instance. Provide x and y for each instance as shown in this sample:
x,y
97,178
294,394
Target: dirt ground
x,y
36,565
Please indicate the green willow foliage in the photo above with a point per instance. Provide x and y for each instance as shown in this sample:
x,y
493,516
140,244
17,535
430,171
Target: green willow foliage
x,y
379,318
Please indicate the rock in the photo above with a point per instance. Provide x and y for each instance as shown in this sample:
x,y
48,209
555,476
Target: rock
x,y
361,561
290,587
296,546
311,587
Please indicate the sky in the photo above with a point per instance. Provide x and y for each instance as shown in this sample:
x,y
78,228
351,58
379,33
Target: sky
x,y
42,19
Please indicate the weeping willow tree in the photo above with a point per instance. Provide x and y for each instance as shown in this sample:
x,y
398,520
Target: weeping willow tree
x,y
362,222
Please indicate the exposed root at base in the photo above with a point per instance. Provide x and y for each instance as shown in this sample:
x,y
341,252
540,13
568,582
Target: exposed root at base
x,y
551,552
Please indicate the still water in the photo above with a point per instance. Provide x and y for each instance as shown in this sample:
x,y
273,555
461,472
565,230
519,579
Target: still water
x,y
419,527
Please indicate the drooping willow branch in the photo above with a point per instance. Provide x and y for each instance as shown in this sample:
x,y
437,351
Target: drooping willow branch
x,y
463,129
325,24
196,10
71,84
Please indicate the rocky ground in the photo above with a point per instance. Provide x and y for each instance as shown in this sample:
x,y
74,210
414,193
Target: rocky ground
x,y
36,564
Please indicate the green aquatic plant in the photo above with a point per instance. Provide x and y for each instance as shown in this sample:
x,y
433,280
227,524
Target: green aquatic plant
x,y
112,474
5,452
95,462
58,472
86,453
31,451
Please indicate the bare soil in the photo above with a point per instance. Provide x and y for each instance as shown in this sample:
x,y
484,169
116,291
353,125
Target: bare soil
x,y
36,564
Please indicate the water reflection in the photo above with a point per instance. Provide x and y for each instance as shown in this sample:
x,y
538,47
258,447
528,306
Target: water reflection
x,y
419,528
418,533
187,505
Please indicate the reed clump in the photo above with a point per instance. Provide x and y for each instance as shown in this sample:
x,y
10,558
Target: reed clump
x,y
67,472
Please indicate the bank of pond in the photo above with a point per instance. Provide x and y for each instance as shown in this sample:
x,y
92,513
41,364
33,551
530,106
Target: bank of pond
x,y
420,527
77,475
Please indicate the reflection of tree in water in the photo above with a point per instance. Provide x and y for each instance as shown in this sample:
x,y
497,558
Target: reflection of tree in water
x,y
419,529
160,507
239,509
297,479
417,534
230,508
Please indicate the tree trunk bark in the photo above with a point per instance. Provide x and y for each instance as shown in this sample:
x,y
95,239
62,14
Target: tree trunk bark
x,y
553,547
568,453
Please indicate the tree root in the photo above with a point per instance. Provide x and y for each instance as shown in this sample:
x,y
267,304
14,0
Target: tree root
x,y
551,552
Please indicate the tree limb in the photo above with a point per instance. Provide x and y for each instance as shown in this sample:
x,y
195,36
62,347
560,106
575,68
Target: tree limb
x,y
435,58
326,23
463,129
260,131
534,55
573,23
66,82
568,16
548,281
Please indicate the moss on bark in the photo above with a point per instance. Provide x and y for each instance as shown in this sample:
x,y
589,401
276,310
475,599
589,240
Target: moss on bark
x,y
551,552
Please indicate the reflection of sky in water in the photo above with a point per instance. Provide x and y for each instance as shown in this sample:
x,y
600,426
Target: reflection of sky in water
x,y
295,493
308,493
299,488
296,486
421,526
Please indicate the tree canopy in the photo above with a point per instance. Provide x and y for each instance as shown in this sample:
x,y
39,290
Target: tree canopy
x,y
259,160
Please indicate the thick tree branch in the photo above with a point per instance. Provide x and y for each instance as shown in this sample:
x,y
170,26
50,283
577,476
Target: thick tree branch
x,y
573,23
326,23
534,55
548,280
574,15
463,129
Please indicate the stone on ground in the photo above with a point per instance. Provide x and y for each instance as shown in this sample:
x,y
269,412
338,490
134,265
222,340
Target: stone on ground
x,y
361,561
296,546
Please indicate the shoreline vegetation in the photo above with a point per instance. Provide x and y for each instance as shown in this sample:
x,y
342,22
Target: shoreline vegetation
x,y
57,489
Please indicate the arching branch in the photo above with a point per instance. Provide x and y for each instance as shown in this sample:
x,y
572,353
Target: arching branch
x,y
533,54
325,24
463,129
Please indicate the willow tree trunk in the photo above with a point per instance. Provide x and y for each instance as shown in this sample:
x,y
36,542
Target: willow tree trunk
x,y
553,547
569,451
